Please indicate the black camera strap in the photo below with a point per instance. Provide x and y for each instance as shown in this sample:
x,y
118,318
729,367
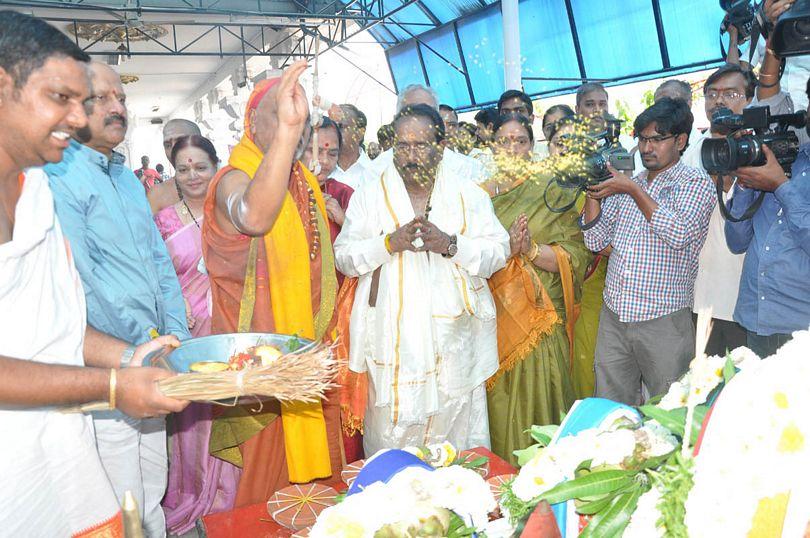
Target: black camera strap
x,y
566,207
726,211
594,222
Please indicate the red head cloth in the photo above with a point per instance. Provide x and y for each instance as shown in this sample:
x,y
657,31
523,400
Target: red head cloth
x,y
259,91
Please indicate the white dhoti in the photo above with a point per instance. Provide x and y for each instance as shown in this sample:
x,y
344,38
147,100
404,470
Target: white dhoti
x,y
429,342
461,421
51,479
133,453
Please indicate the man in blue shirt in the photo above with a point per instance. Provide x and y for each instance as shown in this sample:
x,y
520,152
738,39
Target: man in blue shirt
x,y
774,298
130,284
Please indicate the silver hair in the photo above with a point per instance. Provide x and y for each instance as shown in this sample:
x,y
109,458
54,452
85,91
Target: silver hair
x,y
412,88
681,87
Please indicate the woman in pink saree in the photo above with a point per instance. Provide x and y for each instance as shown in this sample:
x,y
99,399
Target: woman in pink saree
x,y
199,484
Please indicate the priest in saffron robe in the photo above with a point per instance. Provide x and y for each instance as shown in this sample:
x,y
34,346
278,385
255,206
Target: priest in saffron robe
x,y
269,258
422,241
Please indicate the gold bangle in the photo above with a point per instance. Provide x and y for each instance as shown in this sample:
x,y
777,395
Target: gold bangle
x,y
770,75
113,383
534,252
772,52
388,244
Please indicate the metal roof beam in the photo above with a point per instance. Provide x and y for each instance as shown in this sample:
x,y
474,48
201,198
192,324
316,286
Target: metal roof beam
x,y
125,7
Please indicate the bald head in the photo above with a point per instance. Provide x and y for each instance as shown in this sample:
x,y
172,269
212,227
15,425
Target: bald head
x,y
176,129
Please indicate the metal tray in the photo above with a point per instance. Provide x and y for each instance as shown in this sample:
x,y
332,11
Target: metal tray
x,y
220,348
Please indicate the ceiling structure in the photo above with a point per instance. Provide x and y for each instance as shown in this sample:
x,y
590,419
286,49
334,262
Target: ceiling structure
x,y
180,49
174,52
456,46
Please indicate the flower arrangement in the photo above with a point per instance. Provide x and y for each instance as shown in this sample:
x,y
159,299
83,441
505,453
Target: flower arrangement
x,y
722,453
449,501
673,472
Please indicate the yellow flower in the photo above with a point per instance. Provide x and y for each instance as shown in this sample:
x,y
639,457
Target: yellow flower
x,y
781,400
792,439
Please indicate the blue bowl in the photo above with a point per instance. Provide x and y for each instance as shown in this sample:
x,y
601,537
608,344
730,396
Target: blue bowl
x,y
383,467
220,348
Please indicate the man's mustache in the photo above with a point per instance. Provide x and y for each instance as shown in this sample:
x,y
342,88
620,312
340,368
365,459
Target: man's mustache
x,y
112,118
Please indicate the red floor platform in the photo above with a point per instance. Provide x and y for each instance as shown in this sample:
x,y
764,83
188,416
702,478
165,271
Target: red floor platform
x,y
254,522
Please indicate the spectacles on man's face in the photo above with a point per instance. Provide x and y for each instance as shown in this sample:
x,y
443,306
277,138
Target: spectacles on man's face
x,y
419,147
654,140
727,95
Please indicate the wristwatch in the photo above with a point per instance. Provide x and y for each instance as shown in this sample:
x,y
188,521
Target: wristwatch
x,y
452,248
126,356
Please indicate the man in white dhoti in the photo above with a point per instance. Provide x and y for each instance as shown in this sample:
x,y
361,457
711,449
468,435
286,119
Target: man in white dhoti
x,y
52,481
422,241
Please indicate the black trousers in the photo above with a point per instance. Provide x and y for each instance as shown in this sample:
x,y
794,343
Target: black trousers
x,y
725,336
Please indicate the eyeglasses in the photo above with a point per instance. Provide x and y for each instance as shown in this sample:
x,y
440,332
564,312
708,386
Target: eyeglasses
x,y
728,95
507,140
654,140
420,147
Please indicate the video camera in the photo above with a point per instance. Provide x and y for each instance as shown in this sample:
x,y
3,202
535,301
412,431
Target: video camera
x,y
724,155
610,152
791,35
598,151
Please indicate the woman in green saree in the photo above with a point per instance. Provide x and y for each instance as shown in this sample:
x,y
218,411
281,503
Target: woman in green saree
x,y
535,295
582,376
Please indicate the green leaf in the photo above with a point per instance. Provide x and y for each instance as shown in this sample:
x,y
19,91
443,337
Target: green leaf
x,y
543,434
655,399
597,505
654,463
673,420
525,456
728,370
615,519
475,463
697,422
595,483
458,529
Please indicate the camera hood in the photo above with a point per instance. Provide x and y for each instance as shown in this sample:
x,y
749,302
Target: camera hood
x,y
791,35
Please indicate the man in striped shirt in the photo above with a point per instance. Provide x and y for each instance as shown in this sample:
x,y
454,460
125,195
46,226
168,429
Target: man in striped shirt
x,y
656,223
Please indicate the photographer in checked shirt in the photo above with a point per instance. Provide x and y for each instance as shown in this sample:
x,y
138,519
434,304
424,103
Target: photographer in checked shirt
x,y
656,223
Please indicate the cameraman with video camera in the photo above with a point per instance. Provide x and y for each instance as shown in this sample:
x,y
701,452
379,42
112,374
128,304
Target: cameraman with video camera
x,y
730,87
656,223
774,294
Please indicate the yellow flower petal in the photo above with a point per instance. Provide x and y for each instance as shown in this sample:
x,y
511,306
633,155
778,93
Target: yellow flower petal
x,y
792,439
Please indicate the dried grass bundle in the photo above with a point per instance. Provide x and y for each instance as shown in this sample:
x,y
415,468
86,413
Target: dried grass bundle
x,y
303,377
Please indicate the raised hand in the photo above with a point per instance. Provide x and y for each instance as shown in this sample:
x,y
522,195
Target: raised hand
x,y
291,100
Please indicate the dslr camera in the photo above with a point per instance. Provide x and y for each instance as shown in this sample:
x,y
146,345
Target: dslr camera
x,y
724,155
739,14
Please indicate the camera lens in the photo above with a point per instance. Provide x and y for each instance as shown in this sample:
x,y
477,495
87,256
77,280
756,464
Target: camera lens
x,y
722,155
799,30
